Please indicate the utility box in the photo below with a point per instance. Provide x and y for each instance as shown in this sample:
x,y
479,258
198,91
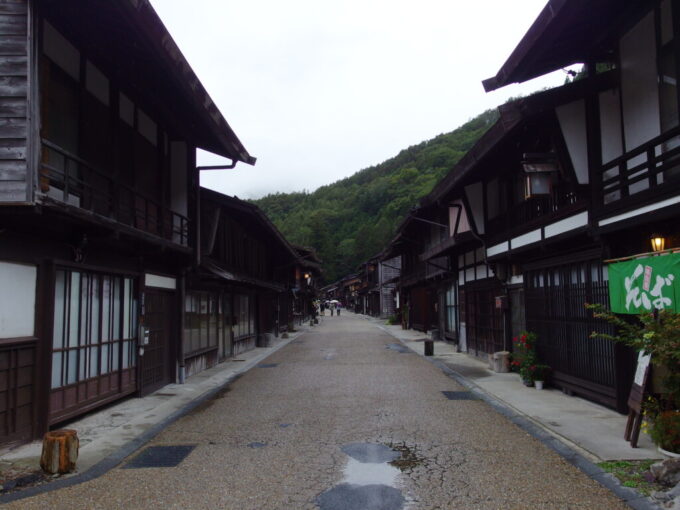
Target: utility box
x,y
501,362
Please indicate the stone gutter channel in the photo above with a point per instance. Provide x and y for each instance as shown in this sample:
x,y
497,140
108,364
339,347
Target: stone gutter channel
x,y
559,445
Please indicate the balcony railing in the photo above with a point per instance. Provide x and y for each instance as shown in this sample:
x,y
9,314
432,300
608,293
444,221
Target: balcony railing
x,y
69,179
562,199
643,168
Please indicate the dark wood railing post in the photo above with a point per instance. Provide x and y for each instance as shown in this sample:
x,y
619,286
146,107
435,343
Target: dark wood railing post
x,y
652,169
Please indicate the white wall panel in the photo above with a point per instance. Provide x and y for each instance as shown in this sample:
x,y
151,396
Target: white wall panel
x,y
567,224
572,119
610,125
530,237
475,196
161,282
639,84
17,300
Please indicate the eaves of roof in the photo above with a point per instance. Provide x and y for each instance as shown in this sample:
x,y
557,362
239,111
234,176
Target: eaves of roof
x,y
149,25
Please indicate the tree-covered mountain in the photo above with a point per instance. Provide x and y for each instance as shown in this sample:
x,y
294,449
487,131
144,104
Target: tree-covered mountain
x,y
353,219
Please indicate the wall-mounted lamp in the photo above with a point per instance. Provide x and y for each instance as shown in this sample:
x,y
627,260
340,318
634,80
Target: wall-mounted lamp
x,y
306,276
658,242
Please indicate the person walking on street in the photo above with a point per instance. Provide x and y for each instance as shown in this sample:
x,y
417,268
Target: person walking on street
x,y
332,308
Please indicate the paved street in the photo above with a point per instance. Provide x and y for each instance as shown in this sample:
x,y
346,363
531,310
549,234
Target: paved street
x,y
316,424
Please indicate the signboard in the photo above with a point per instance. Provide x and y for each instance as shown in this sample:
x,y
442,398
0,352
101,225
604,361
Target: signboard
x,y
644,285
636,398
641,370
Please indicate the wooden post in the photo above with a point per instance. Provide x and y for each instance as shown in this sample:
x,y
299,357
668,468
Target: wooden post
x,y
60,451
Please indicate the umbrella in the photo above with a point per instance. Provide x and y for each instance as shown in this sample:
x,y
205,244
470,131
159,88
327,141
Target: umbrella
x,y
334,301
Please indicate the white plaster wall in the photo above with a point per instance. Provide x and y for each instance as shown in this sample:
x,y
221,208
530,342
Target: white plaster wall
x,y
61,51
463,223
178,177
97,83
572,118
639,88
161,282
474,193
610,125
17,300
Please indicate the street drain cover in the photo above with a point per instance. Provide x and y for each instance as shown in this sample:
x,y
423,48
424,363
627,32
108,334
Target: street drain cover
x,y
459,395
267,365
398,347
367,497
160,456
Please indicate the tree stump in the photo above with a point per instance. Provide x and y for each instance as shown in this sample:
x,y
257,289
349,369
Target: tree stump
x,y
59,451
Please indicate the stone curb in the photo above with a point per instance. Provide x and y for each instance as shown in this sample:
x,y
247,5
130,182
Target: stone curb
x,y
630,496
113,460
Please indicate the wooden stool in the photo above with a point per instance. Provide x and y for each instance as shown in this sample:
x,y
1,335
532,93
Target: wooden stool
x,y
59,451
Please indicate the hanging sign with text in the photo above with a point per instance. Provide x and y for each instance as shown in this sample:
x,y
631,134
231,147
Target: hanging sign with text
x,y
645,285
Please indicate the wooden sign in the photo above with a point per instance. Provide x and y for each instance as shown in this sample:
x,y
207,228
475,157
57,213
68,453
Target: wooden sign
x,y
636,398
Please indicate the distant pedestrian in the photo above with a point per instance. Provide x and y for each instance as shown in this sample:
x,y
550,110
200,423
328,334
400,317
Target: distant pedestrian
x,y
338,306
332,306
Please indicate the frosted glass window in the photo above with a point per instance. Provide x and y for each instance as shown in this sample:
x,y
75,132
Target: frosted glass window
x,y
126,309
105,361
72,371
106,308
115,355
74,307
94,361
59,292
56,369
88,319
94,311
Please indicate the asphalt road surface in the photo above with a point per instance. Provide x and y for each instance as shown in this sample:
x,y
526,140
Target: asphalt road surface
x,y
342,418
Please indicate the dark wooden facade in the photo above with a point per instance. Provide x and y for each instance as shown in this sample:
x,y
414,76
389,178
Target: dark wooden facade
x,y
566,179
100,116
238,298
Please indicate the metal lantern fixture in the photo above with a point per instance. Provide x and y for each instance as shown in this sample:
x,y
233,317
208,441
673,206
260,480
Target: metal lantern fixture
x,y
658,242
540,170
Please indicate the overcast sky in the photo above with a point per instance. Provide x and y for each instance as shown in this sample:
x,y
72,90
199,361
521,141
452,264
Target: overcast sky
x,y
319,89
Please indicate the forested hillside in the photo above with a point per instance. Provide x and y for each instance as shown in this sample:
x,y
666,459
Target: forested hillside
x,y
352,219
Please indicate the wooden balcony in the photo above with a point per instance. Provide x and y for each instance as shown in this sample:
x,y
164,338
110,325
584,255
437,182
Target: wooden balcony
x,y
564,200
66,178
641,174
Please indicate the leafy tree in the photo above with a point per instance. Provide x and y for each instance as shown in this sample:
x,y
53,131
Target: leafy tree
x,y
353,219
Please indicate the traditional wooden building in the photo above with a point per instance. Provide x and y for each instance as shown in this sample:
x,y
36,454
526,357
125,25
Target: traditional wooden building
x,y
564,181
100,116
389,272
421,280
305,290
624,140
236,299
349,291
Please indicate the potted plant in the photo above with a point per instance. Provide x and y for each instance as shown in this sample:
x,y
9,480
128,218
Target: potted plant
x,y
540,374
524,356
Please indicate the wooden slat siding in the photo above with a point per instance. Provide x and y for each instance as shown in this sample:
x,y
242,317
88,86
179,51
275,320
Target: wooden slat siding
x,y
555,311
17,366
14,64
